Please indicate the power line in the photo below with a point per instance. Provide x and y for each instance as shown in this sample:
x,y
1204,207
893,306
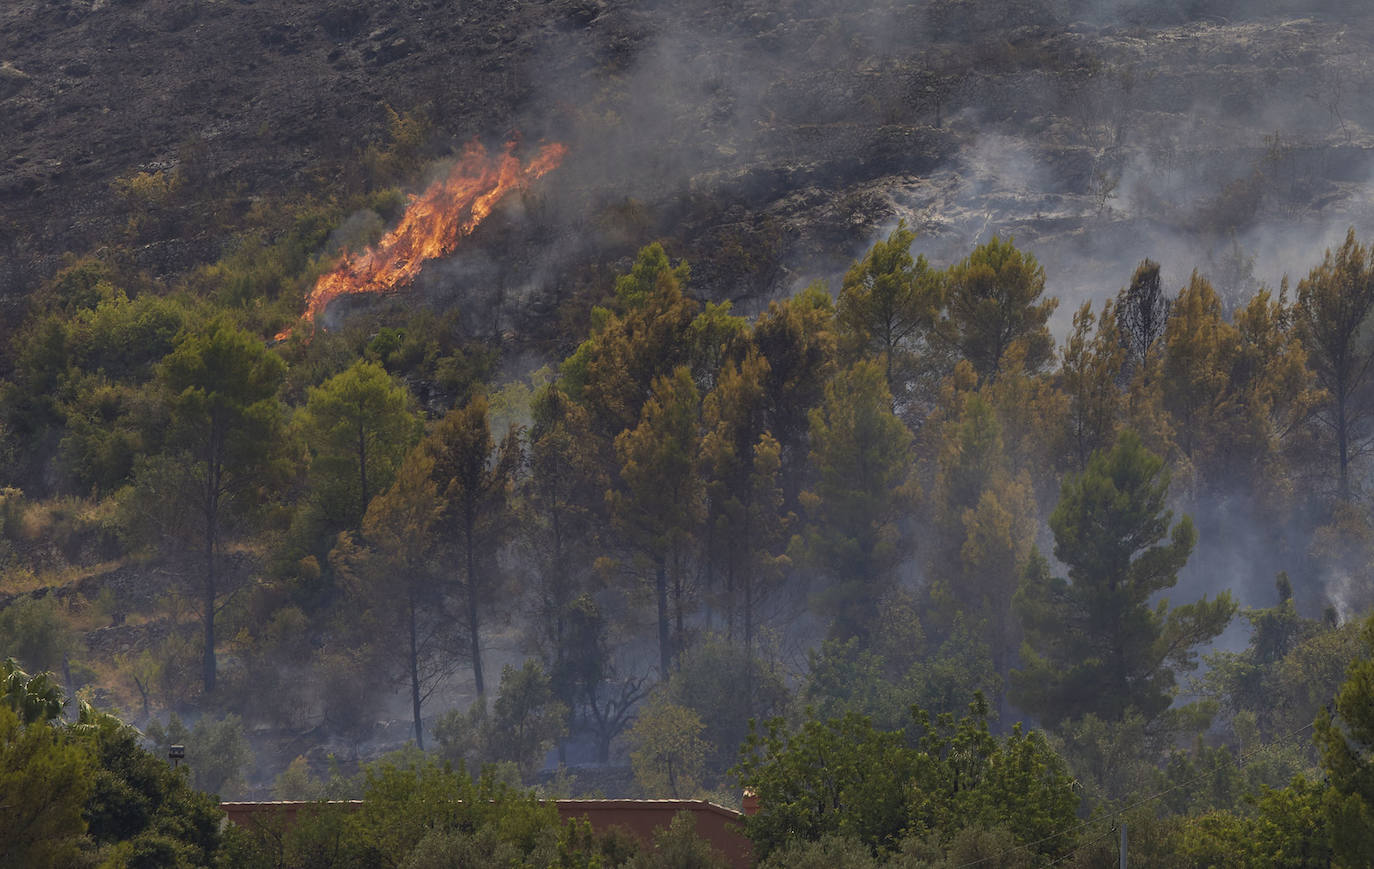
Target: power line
x,y
1240,762
1056,861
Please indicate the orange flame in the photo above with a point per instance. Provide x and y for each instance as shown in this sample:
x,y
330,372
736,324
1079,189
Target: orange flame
x,y
432,225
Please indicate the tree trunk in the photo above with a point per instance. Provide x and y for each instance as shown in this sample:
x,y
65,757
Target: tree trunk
x,y
362,469
730,601
749,615
415,676
209,591
473,620
661,591
678,593
208,603
749,644
1343,443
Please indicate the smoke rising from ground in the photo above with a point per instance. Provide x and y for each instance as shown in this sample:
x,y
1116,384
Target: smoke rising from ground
x,y
1222,137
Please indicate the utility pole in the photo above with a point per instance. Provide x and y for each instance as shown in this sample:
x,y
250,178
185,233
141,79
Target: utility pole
x,y
1123,845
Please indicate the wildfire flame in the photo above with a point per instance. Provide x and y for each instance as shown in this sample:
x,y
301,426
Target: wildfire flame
x,y
432,224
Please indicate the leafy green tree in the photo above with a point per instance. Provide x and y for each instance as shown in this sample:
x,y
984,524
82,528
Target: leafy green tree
x,y
1094,644
35,632
715,336
45,779
657,506
1279,395
220,385
1344,736
217,752
139,807
1197,368
844,777
1290,830
838,777
32,698
726,686
888,305
666,749
517,731
1285,828
678,846
359,426
1017,783
87,793
105,435
1291,667
297,783
998,534
828,852
476,480
994,299
527,718
1334,302
903,668
855,532
419,812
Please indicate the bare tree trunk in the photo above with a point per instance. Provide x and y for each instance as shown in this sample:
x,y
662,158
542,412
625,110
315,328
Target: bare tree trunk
x,y
415,676
362,469
664,639
209,591
679,592
208,665
473,620
1343,443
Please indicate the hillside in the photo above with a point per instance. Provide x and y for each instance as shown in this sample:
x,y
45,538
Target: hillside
x,y
1005,361
768,141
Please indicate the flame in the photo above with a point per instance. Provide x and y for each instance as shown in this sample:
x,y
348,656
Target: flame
x,y
432,224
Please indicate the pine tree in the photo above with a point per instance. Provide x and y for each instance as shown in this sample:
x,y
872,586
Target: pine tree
x,y
1094,644
857,511
221,386
888,305
996,297
1345,737
1334,302
1088,375
475,479
657,506
399,583
359,426
741,464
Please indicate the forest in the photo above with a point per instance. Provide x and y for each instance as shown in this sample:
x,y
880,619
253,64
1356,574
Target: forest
x,y
950,422
894,558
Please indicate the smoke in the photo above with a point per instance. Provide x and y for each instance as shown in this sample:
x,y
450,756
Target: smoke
x,y
1220,136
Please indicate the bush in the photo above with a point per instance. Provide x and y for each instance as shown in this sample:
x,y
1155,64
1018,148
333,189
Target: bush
x,y
34,633
217,752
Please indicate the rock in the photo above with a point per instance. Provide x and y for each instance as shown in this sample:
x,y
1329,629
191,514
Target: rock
x,y
12,80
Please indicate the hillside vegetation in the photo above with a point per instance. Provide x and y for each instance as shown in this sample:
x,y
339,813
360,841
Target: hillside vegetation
x,y
979,402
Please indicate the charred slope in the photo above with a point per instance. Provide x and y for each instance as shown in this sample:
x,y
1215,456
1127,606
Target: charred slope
x,y
765,140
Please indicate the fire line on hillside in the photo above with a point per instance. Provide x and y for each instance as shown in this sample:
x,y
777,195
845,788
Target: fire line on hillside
x,y
432,225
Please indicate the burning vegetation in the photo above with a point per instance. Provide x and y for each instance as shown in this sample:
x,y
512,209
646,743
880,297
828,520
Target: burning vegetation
x,y
450,209
888,517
